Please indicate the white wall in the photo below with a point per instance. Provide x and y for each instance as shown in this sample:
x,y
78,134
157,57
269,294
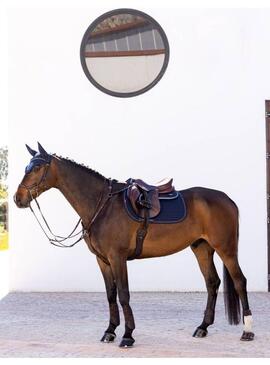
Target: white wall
x,y
204,119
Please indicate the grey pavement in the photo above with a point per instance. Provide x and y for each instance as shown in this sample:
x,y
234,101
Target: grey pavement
x,y
71,324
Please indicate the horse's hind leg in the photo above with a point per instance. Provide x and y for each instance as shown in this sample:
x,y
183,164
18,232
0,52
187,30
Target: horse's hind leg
x,y
111,290
204,254
236,285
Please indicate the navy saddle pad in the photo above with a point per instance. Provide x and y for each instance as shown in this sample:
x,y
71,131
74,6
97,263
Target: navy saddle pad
x,y
172,208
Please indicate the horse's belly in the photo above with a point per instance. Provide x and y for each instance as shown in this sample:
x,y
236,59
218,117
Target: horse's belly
x,y
163,240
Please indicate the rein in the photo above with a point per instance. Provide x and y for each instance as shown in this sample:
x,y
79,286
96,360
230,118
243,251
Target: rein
x,y
58,240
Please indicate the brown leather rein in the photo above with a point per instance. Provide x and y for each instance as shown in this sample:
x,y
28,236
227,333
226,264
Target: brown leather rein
x,y
58,240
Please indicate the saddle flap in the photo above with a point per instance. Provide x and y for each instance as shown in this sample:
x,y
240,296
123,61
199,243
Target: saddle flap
x,y
140,200
155,204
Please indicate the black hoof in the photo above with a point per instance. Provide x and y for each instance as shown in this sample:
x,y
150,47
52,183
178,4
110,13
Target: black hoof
x,y
127,342
108,337
247,336
200,333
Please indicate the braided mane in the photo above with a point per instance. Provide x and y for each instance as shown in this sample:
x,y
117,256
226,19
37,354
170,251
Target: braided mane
x,y
81,166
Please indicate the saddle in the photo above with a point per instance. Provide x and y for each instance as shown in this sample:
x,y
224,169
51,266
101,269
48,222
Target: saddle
x,y
145,197
146,204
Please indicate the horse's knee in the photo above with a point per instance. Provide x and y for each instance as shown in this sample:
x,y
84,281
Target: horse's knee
x,y
111,299
111,296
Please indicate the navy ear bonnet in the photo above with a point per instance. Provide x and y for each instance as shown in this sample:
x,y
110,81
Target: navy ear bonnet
x,y
40,158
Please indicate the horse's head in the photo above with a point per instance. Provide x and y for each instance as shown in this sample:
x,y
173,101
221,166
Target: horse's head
x,y
37,178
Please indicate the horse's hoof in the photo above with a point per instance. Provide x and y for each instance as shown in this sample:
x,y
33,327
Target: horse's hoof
x,y
247,336
200,333
108,337
127,342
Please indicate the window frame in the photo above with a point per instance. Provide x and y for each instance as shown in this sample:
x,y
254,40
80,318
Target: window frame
x,y
101,18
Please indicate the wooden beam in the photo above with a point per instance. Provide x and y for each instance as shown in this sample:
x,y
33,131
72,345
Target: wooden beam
x,y
150,52
267,130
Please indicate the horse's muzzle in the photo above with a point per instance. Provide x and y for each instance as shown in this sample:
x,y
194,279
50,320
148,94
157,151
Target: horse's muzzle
x,y
20,202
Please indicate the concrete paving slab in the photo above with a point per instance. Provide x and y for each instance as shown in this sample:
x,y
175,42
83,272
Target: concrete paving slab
x,y
71,325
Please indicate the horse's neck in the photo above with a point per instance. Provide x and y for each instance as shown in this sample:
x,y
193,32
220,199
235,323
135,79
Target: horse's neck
x,y
81,188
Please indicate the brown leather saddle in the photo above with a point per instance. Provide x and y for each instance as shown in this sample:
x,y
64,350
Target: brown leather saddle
x,y
144,199
144,196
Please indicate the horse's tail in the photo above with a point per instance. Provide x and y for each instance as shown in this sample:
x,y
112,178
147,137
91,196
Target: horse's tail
x,y
231,298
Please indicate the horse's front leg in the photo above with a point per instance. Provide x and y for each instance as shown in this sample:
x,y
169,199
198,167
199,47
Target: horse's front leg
x,y
119,270
111,290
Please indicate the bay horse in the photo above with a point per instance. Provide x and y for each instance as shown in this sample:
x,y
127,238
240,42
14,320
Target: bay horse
x,y
211,225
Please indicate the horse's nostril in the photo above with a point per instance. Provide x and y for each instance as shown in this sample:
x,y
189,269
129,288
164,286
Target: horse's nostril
x,y
17,200
20,201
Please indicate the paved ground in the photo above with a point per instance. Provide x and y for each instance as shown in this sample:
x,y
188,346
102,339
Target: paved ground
x,y
70,325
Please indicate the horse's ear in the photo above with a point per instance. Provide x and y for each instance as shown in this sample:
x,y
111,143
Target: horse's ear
x,y
41,150
32,152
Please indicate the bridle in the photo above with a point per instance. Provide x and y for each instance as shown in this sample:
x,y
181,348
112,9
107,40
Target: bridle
x,y
33,191
36,185
85,231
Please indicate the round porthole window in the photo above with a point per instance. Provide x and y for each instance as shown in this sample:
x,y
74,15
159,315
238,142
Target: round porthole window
x,y
124,52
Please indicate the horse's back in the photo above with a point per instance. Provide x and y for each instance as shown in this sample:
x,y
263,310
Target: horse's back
x,y
199,192
207,198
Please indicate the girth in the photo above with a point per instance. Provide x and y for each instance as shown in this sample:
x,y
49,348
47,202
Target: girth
x,y
142,230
